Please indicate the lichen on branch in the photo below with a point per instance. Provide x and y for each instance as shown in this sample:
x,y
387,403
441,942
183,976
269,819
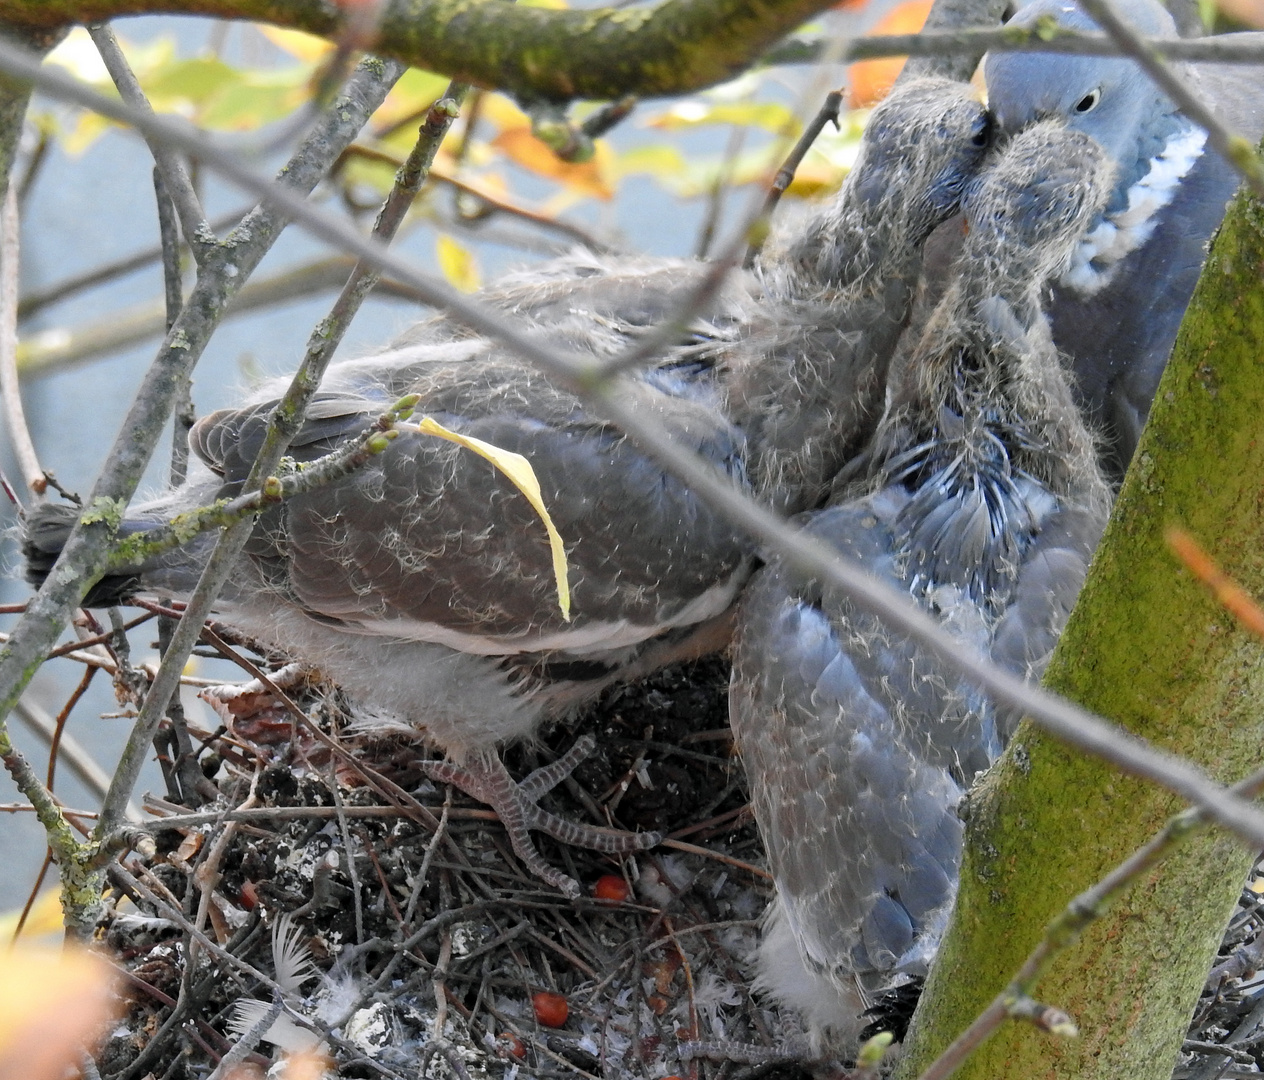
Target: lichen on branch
x,y
667,48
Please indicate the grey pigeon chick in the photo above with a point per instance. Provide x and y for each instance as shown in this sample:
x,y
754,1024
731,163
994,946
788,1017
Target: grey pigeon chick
x,y
423,583
980,496
1117,306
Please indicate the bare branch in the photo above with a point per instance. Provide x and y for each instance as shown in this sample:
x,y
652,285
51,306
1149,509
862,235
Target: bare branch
x,y
10,390
176,179
1060,717
353,455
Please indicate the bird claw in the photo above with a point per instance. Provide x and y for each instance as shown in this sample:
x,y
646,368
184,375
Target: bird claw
x,y
484,777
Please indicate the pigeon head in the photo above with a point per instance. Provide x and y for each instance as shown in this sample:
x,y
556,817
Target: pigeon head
x,y
922,147
920,150
1110,99
1028,212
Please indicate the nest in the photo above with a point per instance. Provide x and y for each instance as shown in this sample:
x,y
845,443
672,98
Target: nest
x,y
355,914
424,943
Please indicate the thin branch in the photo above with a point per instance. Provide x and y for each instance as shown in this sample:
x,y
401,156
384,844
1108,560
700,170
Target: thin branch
x,y
373,79
827,114
173,300
51,351
10,390
334,466
175,178
492,201
668,48
805,554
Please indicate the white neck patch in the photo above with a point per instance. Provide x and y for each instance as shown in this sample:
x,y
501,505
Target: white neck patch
x,y
1098,255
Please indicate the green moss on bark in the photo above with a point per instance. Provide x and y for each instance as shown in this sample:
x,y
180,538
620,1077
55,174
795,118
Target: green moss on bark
x,y
672,47
1148,647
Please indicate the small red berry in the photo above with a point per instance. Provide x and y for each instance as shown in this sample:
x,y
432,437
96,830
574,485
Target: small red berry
x,y
611,888
509,1045
550,1009
249,895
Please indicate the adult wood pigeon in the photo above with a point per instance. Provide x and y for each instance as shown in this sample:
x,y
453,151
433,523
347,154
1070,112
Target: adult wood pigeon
x,y
981,497
423,583
1117,307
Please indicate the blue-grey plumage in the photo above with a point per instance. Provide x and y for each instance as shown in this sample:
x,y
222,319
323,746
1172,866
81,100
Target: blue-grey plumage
x,y
423,583
1117,307
981,497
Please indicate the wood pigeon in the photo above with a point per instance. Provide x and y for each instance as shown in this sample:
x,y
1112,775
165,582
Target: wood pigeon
x,y
982,498
1117,307
423,583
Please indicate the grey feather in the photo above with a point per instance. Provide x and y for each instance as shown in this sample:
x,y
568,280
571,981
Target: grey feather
x,y
981,497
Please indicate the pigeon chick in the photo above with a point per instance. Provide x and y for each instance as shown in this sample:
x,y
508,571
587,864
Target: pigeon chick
x,y
980,496
423,582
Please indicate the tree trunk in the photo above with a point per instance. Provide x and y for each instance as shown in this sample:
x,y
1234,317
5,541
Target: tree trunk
x,y
1149,647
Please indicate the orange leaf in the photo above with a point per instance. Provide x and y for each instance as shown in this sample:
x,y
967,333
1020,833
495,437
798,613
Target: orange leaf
x,y
872,79
1250,12
588,178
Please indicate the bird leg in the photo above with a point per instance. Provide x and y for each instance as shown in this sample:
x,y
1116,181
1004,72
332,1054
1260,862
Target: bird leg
x,y
483,776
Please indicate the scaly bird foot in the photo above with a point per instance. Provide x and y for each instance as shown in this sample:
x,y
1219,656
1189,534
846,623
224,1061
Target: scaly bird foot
x,y
484,777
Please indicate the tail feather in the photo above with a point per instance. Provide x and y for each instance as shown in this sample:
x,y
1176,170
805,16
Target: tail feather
x,y
46,530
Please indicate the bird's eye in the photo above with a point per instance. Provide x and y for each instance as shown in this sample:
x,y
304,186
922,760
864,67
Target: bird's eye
x,y
1089,101
981,134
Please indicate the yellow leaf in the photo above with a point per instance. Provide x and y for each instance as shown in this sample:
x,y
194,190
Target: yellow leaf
x,y
415,90
457,263
504,113
77,54
588,178
520,473
44,918
52,1002
813,178
306,47
694,112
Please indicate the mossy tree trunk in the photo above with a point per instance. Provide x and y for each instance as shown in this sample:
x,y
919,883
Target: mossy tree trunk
x,y
1148,647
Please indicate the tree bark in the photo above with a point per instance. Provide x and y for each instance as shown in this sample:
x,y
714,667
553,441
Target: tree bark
x,y
672,47
1149,647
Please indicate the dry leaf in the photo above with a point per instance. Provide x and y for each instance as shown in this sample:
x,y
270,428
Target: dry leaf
x,y
586,178
520,473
